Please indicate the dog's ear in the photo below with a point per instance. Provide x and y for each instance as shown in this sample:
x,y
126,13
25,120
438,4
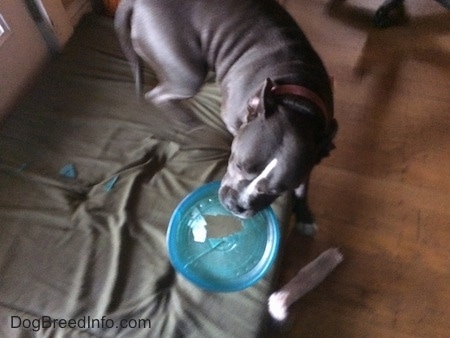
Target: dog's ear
x,y
252,108
268,98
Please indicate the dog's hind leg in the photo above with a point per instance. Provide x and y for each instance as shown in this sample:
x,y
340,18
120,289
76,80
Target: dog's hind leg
x,y
175,86
305,222
175,55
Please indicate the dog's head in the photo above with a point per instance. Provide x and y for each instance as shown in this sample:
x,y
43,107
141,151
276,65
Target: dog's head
x,y
273,152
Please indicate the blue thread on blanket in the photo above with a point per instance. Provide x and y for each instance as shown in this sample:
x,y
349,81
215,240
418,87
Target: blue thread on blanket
x,y
110,184
69,171
22,167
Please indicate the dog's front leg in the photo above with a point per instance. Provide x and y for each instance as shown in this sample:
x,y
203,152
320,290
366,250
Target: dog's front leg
x,y
305,222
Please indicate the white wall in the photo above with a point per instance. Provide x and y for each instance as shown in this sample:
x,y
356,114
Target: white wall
x,y
21,55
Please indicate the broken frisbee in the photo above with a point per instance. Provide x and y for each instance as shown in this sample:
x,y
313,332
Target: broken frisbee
x,y
216,250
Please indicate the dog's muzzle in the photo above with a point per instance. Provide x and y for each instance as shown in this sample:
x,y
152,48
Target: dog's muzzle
x,y
241,204
244,201
230,199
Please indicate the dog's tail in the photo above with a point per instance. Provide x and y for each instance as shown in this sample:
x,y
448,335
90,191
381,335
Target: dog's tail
x,y
122,25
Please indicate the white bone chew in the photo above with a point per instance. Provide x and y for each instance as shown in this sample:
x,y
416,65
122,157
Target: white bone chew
x,y
304,281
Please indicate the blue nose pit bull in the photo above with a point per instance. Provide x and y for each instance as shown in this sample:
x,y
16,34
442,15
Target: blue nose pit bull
x,y
276,94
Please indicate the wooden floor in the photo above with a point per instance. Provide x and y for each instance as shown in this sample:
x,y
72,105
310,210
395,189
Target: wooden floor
x,y
383,197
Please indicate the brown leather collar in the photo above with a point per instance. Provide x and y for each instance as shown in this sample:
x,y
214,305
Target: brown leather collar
x,y
303,92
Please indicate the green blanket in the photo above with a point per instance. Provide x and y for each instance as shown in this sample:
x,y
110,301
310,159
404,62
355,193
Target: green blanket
x,y
89,177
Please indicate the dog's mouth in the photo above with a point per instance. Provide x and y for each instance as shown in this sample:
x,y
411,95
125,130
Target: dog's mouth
x,y
230,198
243,213
232,201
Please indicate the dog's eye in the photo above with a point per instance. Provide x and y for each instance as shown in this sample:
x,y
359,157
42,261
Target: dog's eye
x,y
253,169
242,166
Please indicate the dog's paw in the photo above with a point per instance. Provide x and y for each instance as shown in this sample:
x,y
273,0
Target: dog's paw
x,y
307,229
277,305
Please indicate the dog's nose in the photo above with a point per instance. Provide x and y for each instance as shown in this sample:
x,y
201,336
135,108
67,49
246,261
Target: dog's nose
x,y
227,196
239,209
229,199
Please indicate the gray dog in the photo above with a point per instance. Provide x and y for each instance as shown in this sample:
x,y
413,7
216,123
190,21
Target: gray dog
x,y
276,94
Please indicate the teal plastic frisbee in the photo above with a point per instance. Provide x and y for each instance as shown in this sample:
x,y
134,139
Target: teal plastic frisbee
x,y
216,250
